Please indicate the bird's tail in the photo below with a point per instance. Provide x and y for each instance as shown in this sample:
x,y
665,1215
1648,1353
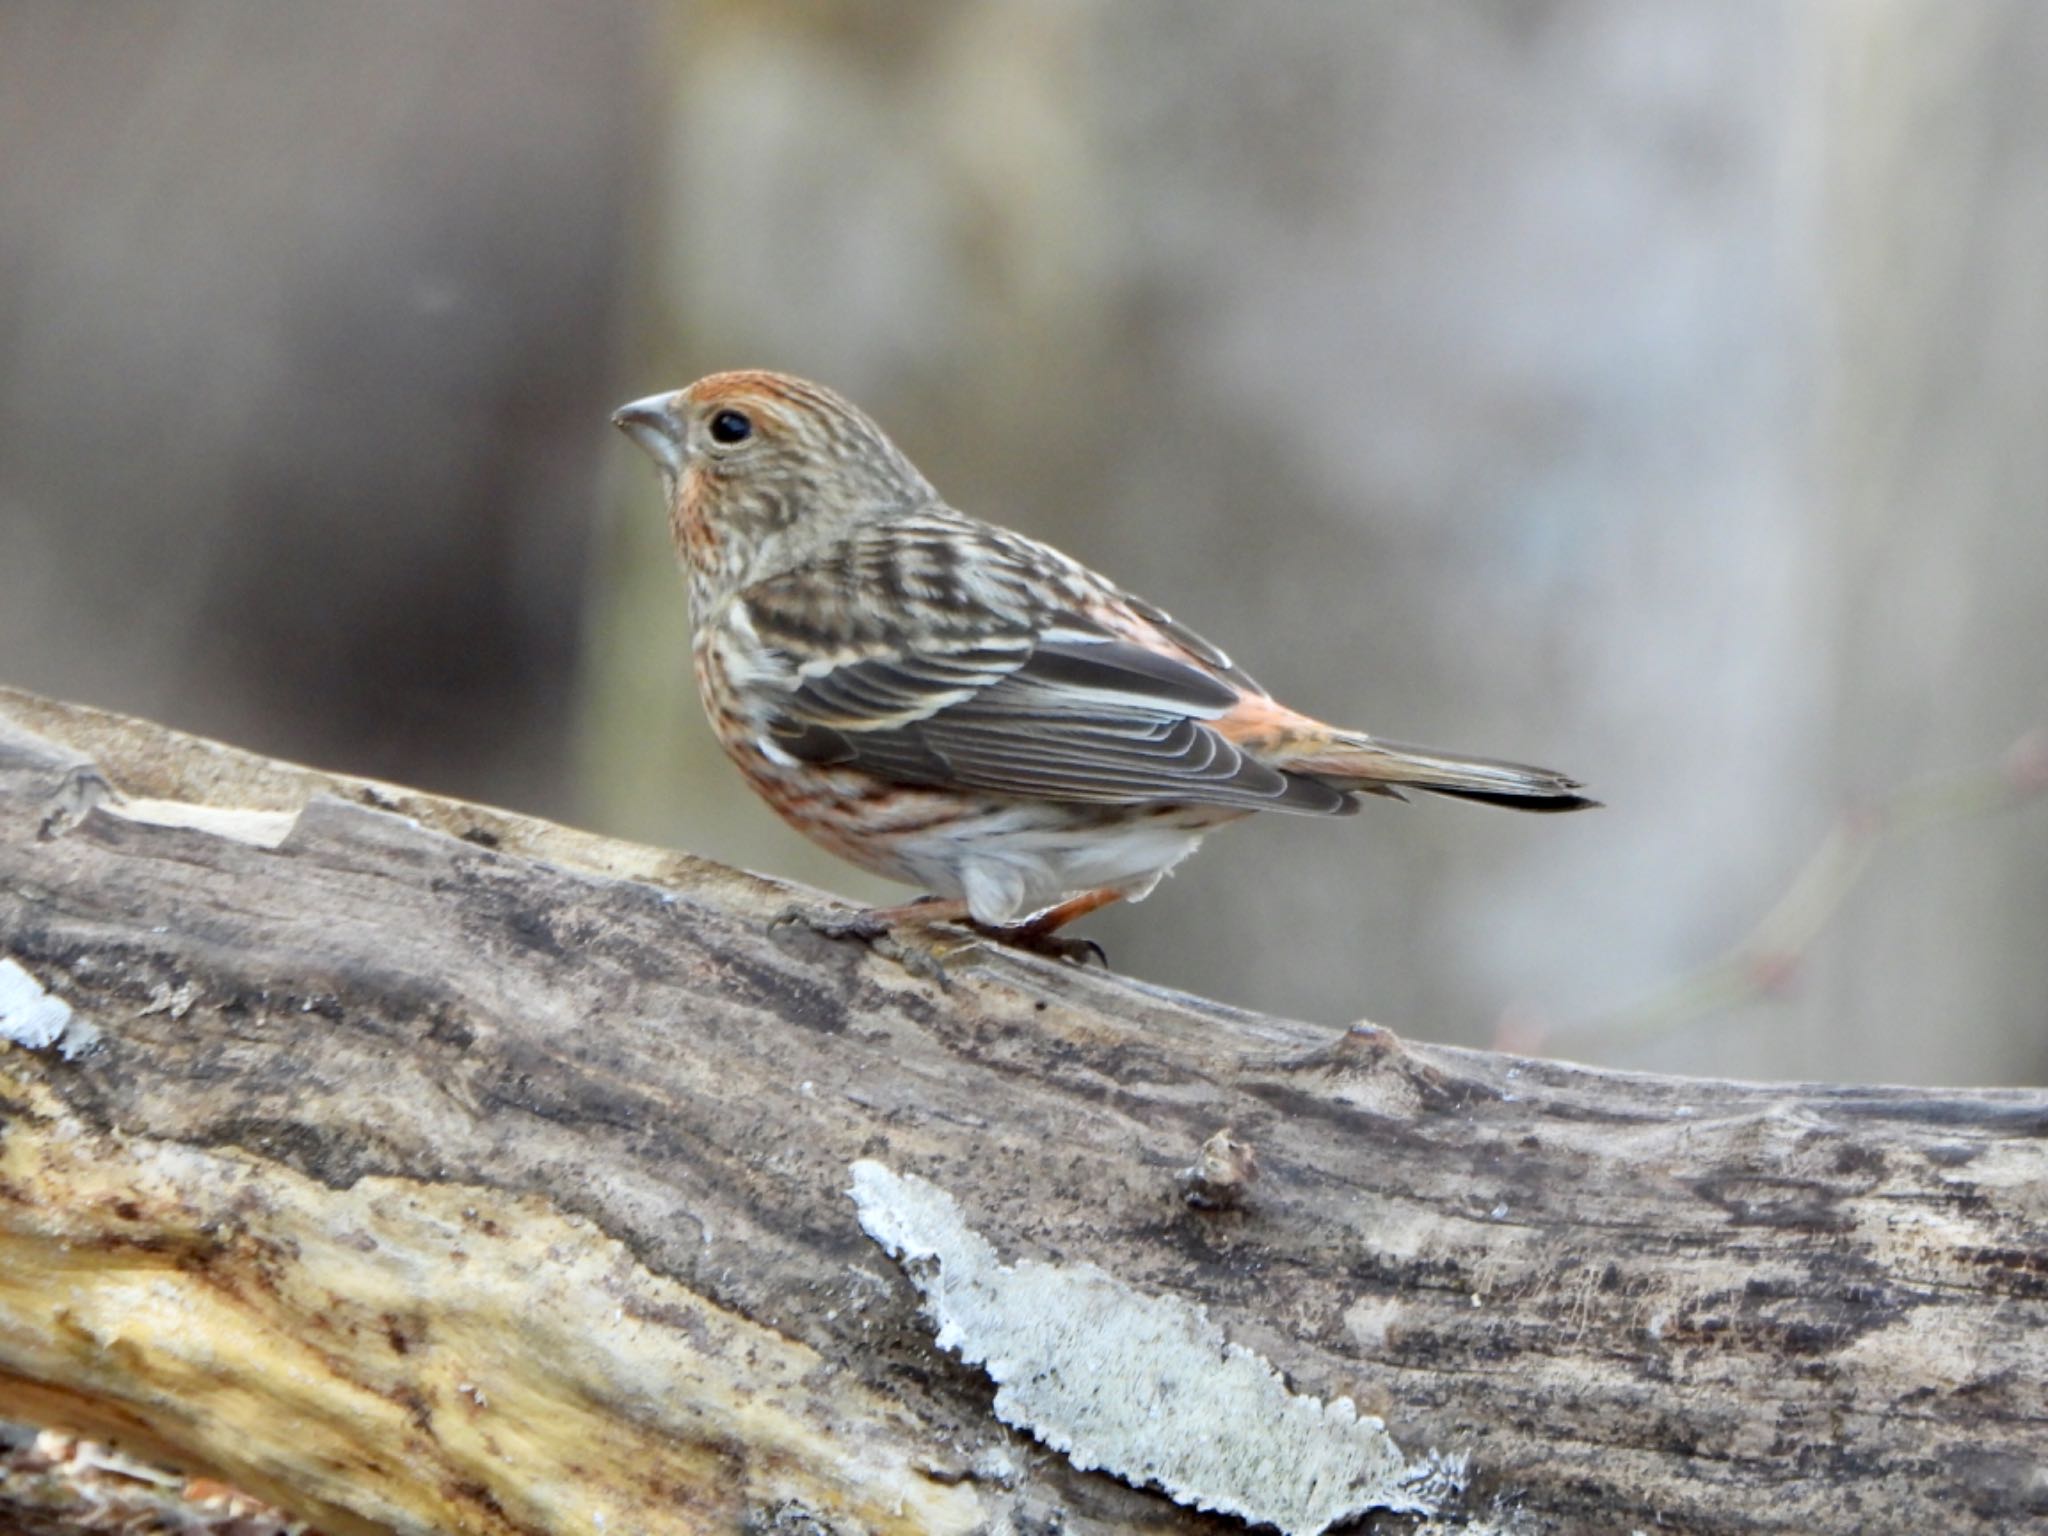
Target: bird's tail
x,y
1372,766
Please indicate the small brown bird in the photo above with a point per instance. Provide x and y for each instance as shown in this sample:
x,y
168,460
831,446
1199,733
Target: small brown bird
x,y
964,709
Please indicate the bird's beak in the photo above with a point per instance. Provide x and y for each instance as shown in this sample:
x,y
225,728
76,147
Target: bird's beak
x,y
652,425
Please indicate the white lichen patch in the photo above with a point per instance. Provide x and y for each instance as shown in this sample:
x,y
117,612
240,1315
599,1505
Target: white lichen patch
x,y
259,829
1143,1386
33,1017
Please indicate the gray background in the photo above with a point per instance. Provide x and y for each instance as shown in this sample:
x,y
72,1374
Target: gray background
x,y
1659,392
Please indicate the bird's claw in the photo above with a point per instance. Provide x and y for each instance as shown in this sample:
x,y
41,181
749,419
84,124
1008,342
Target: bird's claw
x,y
1054,946
883,932
872,929
831,923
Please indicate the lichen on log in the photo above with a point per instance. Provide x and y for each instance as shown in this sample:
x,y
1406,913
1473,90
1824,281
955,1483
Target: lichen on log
x,y
426,1167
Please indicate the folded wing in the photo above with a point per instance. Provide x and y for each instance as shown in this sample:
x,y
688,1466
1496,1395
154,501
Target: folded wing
x,y
1007,691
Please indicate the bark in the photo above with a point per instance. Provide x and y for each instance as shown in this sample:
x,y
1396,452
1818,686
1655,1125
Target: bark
x,y
423,1167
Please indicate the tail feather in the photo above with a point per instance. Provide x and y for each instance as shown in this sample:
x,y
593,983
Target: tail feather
x,y
1379,766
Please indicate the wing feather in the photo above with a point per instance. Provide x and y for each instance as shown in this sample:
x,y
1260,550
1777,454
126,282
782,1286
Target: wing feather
x,y
1005,689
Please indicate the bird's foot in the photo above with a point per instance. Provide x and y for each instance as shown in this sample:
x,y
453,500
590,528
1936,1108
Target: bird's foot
x,y
888,931
1041,936
1035,940
882,929
865,925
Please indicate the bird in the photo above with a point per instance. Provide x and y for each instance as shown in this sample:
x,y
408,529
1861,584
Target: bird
x,y
964,709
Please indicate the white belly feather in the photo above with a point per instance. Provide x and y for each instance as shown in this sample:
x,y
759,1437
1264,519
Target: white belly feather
x,y
1017,861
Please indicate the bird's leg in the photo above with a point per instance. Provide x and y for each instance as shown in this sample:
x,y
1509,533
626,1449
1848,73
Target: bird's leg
x,y
1041,934
1050,922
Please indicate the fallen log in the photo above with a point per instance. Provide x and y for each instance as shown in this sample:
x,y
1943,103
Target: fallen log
x,y
417,1166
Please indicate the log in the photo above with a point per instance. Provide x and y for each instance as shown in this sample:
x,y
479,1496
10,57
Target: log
x,y
422,1167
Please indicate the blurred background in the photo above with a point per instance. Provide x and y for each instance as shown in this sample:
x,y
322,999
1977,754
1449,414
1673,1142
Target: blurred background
x,y
1659,392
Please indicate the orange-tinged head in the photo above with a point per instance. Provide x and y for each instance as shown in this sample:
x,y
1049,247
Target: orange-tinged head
x,y
762,467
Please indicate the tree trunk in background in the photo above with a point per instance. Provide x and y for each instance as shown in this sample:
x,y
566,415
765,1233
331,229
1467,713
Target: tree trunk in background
x,y
1938,500
423,1167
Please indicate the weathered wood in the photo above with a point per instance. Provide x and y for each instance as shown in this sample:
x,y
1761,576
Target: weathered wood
x,y
437,1169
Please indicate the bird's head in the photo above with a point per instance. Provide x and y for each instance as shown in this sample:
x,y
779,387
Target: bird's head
x,y
762,468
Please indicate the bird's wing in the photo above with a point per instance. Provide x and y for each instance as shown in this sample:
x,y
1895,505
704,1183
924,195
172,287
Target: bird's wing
x,y
1000,668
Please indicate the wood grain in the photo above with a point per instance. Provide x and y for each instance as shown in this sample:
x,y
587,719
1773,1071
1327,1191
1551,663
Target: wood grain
x,y
439,1169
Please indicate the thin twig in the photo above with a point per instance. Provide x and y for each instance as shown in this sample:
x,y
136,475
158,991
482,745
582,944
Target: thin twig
x,y
1765,960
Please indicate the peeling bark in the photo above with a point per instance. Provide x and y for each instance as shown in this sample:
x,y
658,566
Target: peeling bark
x,y
422,1167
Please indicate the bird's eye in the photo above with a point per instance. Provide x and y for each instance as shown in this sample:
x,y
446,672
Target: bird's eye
x,y
731,427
